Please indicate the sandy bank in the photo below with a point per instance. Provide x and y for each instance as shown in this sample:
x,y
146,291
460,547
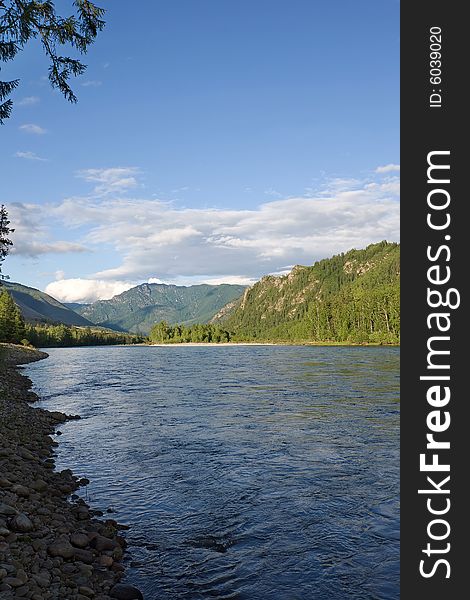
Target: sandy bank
x,y
50,547
215,345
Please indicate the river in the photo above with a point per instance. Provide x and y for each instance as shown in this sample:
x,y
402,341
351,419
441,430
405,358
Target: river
x,y
245,472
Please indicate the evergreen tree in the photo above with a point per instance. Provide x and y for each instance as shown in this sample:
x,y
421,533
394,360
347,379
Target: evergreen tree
x,y
5,242
24,20
12,327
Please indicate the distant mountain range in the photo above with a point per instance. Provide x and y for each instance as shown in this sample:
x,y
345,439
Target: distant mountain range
x,y
139,308
351,297
37,306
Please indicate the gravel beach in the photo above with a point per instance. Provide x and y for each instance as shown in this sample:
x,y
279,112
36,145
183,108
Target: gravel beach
x,y
52,544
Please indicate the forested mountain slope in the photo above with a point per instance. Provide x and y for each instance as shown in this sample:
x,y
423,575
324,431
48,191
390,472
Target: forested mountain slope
x,y
350,297
37,306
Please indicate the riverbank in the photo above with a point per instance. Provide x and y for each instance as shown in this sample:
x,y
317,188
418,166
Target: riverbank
x,y
215,344
52,545
279,343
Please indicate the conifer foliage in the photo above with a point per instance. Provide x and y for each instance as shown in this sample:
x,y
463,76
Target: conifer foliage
x,y
23,20
12,327
5,242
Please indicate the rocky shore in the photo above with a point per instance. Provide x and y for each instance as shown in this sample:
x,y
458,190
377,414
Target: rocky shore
x,y
52,544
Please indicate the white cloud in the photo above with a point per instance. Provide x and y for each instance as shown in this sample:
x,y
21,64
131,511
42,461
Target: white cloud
x,y
92,83
390,168
28,101
29,156
113,180
156,239
85,290
233,279
32,128
32,236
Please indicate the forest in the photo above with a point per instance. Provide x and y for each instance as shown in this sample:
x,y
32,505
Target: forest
x,y
163,333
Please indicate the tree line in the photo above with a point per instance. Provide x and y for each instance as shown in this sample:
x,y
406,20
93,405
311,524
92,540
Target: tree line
x,y
163,333
48,335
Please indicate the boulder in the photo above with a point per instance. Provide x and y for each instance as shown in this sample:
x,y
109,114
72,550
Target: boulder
x,y
80,540
102,543
61,548
21,523
123,591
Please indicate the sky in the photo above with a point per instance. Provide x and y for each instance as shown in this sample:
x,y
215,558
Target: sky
x,y
213,141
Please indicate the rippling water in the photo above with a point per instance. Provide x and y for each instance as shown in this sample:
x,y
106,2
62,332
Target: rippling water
x,y
250,473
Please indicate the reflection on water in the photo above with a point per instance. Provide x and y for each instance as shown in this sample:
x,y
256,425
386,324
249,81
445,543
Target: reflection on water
x,y
250,473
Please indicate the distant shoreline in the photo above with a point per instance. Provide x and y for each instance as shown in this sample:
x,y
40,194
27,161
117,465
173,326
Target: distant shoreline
x,y
225,344
219,344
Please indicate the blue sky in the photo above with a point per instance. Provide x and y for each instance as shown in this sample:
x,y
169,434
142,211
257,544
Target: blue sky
x,y
212,141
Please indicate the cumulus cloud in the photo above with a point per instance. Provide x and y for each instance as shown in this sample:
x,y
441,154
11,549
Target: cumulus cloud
x,y
32,128
390,168
29,156
155,238
28,101
32,236
85,290
158,241
114,180
232,279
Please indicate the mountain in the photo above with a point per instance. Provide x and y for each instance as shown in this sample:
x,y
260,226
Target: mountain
x,y
75,305
37,306
139,308
350,297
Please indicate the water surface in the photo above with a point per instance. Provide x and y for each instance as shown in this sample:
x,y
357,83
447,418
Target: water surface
x,y
249,473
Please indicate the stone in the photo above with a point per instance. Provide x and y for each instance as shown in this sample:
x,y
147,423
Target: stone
x,y
21,523
105,561
102,543
22,591
61,548
85,556
42,580
13,581
80,540
86,591
123,591
26,454
118,567
6,509
20,490
39,485
21,574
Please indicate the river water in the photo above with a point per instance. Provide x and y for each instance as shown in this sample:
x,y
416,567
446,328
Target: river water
x,y
247,472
